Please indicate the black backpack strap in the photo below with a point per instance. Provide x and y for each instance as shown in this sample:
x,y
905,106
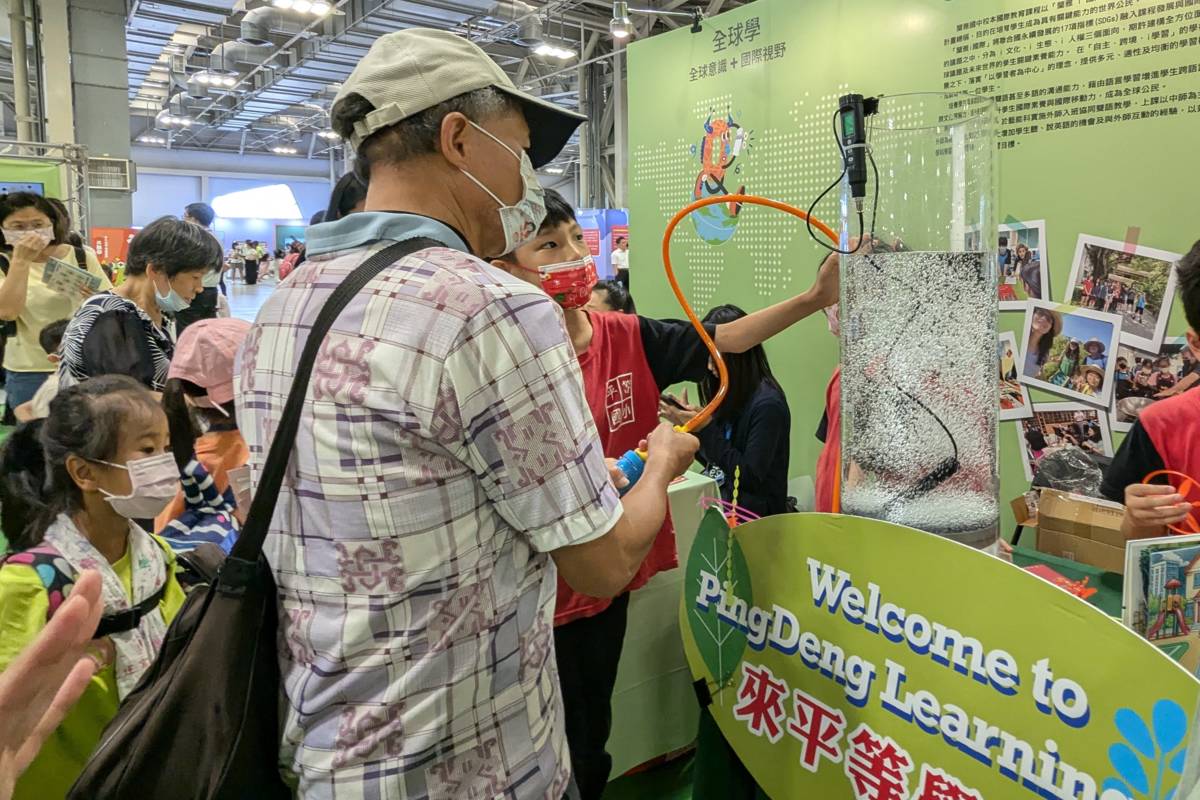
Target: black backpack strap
x,y
240,567
130,618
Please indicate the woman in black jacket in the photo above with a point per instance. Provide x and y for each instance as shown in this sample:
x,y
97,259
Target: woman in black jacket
x,y
748,439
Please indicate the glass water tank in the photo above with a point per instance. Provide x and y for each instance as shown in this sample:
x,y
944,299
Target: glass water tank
x,y
918,323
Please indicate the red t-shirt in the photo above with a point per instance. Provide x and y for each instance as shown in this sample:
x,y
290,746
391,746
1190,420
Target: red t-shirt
x,y
829,462
1164,437
627,365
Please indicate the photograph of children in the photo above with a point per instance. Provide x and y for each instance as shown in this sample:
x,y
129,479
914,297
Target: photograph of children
x,y
1024,274
1136,282
1014,397
1068,351
1142,379
1054,426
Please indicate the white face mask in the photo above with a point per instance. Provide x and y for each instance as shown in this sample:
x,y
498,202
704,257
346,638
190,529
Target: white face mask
x,y
12,236
522,221
153,481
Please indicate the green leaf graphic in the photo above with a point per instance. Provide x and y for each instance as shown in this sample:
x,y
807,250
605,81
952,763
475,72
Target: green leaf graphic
x,y
716,551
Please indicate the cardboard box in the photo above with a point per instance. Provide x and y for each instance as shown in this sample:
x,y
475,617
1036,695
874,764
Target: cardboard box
x,y
1085,551
1082,529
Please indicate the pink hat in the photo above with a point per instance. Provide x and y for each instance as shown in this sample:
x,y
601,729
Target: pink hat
x,y
204,355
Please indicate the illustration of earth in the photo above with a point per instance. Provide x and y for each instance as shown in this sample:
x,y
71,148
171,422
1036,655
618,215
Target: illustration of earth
x,y
714,224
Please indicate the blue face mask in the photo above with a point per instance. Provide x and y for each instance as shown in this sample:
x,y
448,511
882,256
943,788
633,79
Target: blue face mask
x,y
171,302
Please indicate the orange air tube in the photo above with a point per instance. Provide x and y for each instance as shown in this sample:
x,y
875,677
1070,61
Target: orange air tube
x,y
722,371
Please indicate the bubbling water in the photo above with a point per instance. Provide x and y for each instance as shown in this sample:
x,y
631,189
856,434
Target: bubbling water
x,y
919,392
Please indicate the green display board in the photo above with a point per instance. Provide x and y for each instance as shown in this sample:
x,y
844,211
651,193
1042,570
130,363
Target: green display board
x,y
1098,117
853,659
21,171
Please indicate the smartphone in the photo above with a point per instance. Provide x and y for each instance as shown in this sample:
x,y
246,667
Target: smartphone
x,y
671,401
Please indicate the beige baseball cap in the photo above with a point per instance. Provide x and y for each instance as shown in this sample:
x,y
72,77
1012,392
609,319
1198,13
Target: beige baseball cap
x,y
409,71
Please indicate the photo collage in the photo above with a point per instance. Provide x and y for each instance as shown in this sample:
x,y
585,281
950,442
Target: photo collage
x,y
1102,350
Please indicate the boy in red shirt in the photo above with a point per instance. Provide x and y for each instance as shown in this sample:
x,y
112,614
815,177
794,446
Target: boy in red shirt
x,y
627,362
1165,436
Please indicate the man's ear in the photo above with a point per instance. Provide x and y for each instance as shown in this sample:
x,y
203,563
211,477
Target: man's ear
x,y
453,140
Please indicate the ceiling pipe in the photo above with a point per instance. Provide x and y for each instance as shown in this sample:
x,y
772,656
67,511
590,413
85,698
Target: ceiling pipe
x,y
529,24
227,55
256,25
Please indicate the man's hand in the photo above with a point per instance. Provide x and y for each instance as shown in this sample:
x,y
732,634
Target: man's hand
x,y
1150,505
825,288
619,479
43,683
670,451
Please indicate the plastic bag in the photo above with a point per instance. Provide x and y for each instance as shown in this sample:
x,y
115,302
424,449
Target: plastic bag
x,y
1069,469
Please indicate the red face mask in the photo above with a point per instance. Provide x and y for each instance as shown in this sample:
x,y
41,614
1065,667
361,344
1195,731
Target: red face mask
x,y
570,282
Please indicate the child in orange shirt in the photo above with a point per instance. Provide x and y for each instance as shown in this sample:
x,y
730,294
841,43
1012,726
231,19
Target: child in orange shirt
x,y
205,439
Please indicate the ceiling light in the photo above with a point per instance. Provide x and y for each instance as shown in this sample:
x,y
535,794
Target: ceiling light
x,y
320,8
202,77
620,26
553,170
228,80
303,6
284,4
553,51
328,134
283,151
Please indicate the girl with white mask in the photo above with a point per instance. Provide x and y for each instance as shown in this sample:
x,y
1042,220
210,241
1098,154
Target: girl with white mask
x,y
71,485
33,232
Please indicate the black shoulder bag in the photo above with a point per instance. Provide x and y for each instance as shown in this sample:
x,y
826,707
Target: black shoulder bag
x,y
203,722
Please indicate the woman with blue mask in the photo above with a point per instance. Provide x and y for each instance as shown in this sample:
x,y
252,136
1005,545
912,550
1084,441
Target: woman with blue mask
x,y
130,330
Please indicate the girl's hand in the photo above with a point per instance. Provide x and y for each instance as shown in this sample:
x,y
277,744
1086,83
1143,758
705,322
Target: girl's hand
x,y
825,287
679,415
32,248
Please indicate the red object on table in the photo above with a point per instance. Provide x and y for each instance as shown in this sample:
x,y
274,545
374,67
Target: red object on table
x,y
1187,487
1078,588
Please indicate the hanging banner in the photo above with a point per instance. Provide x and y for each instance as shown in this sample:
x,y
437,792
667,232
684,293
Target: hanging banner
x,y
112,244
853,658
591,238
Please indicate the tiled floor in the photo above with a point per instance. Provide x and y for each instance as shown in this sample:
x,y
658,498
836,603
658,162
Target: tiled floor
x,y
244,301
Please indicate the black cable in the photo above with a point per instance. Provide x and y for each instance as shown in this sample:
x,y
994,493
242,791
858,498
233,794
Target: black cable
x,y
949,466
828,189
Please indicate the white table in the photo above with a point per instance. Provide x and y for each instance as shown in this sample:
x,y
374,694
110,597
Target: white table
x,y
654,708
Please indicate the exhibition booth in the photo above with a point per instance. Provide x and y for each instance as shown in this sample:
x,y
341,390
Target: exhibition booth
x,y
1002,185
1013,312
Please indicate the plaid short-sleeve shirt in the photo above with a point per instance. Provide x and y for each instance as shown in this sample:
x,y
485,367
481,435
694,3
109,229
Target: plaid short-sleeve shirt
x,y
445,449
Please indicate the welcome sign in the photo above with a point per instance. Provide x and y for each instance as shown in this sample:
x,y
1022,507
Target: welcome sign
x,y
853,658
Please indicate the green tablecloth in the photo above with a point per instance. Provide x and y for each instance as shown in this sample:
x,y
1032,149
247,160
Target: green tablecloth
x,y
1108,599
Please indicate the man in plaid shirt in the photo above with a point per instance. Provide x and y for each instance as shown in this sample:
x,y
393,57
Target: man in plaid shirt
x,y
446,454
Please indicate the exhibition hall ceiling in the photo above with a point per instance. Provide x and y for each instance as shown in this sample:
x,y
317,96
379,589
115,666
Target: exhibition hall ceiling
x,y
259,75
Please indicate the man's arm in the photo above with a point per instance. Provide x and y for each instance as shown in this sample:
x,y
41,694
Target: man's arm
x,y
603,567
513,384
754,329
